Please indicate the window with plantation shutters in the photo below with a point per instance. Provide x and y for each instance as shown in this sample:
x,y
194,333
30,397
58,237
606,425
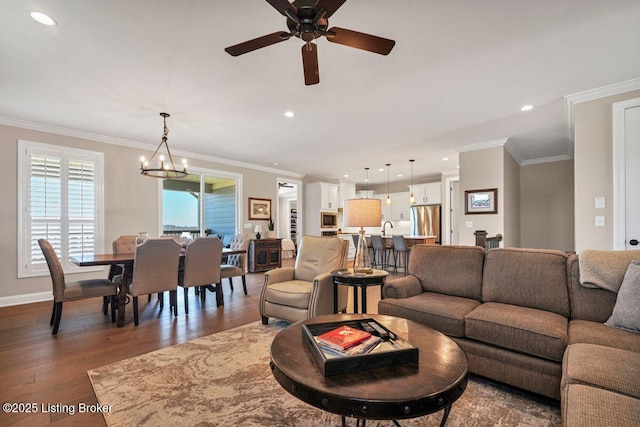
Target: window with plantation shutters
x,y
59,200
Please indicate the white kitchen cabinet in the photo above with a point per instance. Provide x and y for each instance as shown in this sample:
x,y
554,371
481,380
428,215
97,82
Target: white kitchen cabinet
x,y
320,197
429,193
347,191
329,196
399,208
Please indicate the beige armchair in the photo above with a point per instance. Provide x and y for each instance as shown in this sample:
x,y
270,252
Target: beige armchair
x,y
306,290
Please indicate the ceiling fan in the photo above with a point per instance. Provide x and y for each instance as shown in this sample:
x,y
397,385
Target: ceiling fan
x,y
309,20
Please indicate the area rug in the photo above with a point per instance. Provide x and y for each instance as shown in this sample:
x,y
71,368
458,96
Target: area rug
x,y
224,379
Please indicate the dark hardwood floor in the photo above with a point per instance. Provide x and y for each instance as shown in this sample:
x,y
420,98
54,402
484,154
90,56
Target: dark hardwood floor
x,y
38,368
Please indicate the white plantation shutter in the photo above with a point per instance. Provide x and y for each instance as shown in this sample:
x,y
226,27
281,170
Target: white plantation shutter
x,y
60,200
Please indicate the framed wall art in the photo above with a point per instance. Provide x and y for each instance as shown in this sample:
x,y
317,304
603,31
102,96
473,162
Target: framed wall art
x,y
481,201
259,209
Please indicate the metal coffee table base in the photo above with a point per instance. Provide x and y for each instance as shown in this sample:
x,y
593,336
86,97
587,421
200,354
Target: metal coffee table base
x,y
395,422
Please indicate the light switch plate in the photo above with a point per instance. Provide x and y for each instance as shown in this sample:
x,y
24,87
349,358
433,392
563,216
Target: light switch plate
x,y
247,226
469,224
599,221
600,202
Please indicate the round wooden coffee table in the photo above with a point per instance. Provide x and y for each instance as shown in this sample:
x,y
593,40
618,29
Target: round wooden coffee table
x,y
388,393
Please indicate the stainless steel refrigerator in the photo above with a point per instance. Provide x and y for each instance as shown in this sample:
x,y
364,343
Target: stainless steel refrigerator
x,y
426,221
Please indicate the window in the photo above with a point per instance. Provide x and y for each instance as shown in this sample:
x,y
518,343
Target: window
x,y
59,199
203,202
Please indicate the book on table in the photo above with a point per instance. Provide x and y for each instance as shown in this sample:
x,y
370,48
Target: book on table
x,y
343,337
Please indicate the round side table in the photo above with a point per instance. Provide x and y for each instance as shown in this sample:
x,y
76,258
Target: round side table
x,y
347,277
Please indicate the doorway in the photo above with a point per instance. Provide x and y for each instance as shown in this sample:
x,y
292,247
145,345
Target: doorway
x,y
289,210
626,180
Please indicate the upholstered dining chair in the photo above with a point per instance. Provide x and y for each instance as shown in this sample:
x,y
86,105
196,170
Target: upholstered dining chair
x,y
125,244
155,270
202,260
306,290
63,291
236,265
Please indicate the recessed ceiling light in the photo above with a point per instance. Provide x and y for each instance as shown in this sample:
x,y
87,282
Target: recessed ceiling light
x,y
346,175
444,159
43,19
275,164
289,114
399,175
527,108
381,170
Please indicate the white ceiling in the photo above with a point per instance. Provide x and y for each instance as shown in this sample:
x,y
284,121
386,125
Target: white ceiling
x,y
458,75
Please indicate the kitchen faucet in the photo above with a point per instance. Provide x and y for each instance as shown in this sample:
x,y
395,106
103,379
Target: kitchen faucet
x,y
384,225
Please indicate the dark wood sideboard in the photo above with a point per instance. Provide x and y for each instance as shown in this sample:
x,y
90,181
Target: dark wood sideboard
x,y
264,254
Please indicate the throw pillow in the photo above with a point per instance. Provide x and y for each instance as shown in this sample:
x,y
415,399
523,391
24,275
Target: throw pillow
x,y
626,312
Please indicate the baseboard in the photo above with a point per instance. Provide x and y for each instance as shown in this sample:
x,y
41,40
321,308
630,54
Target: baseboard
x,y
25,299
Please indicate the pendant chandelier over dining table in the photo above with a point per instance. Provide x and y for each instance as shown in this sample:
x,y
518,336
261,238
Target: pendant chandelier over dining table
x,y
166,168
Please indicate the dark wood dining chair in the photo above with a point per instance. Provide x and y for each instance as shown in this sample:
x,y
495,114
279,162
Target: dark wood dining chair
x,y
155,270
72,291
202,260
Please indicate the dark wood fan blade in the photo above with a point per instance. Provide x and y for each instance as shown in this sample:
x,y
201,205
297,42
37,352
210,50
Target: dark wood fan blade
x,y
329,5
283,6
258,43
359,40
310,64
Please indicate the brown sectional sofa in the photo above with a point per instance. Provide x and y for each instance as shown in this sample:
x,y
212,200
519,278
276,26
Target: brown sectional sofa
x,y
523,318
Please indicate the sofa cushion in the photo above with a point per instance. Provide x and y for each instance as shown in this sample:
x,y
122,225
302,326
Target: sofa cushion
x,y
527,330
444,313
293,293
534,278
593,304
584,331
449,270
626,312
604,367
584,406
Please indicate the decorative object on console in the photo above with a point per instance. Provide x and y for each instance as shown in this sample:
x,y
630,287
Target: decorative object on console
x,y
259,209
258,230
165,169
481,201
362,213
309,20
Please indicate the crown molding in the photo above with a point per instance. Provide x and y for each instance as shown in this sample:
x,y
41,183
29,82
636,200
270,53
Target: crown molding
x,y
482,145
547,160
24,124
589,95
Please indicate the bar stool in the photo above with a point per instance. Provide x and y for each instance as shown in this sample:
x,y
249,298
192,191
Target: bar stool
x,y
400,250
380,252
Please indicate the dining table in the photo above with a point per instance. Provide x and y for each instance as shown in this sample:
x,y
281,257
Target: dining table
x,y
126,261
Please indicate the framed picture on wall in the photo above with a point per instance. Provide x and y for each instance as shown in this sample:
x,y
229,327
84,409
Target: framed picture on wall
x,y
259,208
481,201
